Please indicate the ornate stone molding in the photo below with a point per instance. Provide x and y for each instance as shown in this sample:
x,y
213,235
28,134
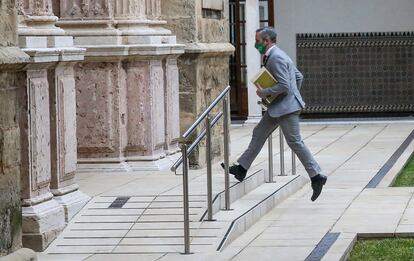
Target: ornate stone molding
x,y
129,9
86,9
47,124
339,40
124,126
127,22
153,9
35,7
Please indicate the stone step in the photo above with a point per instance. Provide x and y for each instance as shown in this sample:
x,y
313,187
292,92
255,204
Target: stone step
x,y
237,191
154,223
250,208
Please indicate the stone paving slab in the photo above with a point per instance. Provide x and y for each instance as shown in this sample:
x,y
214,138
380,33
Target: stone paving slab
x,y
298,221
350,154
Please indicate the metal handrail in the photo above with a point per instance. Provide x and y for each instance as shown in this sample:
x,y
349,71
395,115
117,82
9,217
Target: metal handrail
x,y
205,113
281,155
196,141
185,150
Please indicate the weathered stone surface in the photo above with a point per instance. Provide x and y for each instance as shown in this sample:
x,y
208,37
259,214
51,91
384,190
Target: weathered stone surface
x,y
10,210
172,106
153,9
35,128
8,23
47,122
97,9
56,7
122,109
63,125
35,7
71,199
181,19
42,223
202,79
12,59
126,86
100,109
23,254
204,69
145,87
90,10
129,9
36,23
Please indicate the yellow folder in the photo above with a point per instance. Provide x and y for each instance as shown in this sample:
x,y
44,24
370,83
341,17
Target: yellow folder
x,y
266,80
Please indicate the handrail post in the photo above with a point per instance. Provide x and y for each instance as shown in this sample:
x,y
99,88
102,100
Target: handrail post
x,y
282,152
226,108
209,172
185,200
270,149
293,163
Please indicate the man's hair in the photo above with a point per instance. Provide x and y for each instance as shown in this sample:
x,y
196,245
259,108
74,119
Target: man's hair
x,y
268,33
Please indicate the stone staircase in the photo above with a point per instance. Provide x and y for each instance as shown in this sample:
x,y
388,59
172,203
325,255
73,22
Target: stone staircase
x,y
153,224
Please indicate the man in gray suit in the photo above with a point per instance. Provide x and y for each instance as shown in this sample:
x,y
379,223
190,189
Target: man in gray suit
x,y
283,111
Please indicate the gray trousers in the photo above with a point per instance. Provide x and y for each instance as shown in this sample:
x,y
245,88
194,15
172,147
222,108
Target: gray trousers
x,y
291,130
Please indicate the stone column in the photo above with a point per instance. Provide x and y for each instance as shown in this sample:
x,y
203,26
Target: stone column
x,y
153,9
12,62
203,27
253,59
126,85
172,98
43,217
62,104
50,196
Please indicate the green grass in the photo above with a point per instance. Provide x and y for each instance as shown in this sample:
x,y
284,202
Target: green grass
x,y
392,249
406,178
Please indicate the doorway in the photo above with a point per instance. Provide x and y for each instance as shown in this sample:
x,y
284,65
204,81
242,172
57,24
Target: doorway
x,y
238,63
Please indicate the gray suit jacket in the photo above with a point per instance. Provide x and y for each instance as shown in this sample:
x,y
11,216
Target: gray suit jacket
x,y
289,83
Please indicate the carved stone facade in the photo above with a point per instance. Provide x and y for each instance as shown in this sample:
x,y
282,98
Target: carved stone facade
x,y
47,120
12,63
204,68
127,85
90,85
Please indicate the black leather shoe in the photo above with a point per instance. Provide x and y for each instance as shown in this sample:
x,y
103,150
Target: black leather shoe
x,y
317,183
238,171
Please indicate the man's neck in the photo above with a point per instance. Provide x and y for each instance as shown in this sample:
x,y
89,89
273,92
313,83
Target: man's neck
x,y
269,49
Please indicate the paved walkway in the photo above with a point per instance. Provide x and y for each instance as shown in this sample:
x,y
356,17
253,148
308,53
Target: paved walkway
x,y
350,154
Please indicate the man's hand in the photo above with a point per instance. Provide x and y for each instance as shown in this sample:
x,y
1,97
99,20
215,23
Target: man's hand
x,y
259,91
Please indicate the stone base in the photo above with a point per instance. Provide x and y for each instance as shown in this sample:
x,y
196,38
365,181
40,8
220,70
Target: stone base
x,y
85,167
131,164
72,203
23,254
42,223
154,165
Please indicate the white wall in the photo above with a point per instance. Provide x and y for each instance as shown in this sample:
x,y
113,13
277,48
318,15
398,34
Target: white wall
x,y
252,59
331,16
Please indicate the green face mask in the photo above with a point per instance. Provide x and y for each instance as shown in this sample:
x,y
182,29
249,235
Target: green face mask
x,y
260,47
